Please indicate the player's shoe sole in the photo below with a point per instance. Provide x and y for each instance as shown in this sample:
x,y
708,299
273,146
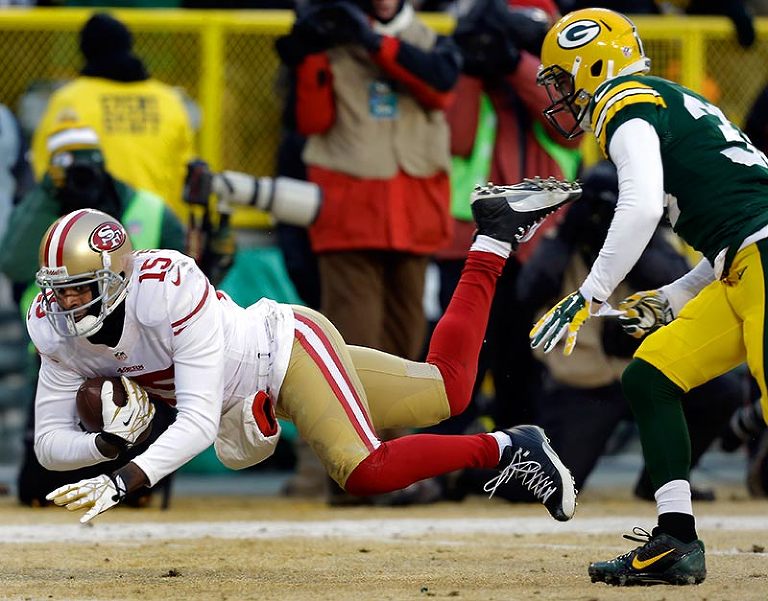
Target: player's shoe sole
x,y
512,213
661,560
534,464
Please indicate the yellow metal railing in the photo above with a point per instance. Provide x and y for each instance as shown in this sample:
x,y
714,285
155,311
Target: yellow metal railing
x,y
225,61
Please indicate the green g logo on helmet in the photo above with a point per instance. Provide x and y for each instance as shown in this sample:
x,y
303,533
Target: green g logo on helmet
x,y
578,33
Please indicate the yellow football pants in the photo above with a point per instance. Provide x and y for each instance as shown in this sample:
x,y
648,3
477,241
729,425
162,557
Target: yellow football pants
x,y
719,329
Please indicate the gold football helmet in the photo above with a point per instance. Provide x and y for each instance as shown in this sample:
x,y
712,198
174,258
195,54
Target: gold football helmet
x,y
581,51
83,248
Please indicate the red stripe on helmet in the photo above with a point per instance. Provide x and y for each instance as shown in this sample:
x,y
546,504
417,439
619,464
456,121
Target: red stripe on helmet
x,y
62,239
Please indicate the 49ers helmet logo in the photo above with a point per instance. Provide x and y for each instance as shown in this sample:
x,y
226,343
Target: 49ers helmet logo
x,y
107,237
579,33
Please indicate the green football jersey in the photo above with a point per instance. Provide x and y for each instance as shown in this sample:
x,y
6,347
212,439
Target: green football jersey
x,y
718,179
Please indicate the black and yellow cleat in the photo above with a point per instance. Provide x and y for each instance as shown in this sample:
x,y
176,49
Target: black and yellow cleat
x,y
662,559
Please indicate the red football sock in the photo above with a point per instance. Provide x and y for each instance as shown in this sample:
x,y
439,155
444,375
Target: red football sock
x,y
458,336
400,462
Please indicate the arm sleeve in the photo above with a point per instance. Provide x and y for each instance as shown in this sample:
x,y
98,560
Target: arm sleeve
x,y
429,75
635,150
685,288
60,444
198,361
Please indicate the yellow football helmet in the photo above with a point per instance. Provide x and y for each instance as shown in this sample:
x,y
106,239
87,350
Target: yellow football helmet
x,y
83,248
581,51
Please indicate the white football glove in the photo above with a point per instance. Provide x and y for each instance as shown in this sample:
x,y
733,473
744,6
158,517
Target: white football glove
x,y
130,421
645,312
95,494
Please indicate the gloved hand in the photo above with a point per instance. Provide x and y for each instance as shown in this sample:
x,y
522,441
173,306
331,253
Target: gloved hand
x,y
130,421
567,316
352,25
644,312
95,494
312,32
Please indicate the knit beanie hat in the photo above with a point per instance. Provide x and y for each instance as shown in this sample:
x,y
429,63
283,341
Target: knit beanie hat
x,y
107,45
104,36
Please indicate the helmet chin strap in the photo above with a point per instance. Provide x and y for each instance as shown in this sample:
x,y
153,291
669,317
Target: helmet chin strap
x,y
87,326
642,65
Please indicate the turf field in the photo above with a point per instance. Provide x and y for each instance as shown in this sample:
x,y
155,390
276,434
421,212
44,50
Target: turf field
x,y
261,547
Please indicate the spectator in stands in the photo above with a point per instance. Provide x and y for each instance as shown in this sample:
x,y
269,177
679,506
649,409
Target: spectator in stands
x,y
582,400
372,85
143,125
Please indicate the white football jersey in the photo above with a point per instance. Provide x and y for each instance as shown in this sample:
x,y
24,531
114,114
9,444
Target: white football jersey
x,y
183,341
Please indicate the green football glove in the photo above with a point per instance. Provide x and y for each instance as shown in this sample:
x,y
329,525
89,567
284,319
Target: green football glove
x,y
95,494
564,319
645,312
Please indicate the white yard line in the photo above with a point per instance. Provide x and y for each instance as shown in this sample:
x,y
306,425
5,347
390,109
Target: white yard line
x,y
380,529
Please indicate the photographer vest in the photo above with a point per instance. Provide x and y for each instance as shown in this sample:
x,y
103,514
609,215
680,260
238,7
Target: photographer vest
x,y
380,127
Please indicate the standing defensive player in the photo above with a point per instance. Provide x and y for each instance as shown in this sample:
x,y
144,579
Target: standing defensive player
x,y
672,149
153,316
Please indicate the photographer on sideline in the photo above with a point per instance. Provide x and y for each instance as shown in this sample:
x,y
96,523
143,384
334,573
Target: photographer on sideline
x,y
373,82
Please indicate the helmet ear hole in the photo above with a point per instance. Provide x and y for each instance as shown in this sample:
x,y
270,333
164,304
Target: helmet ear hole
x,y
597,68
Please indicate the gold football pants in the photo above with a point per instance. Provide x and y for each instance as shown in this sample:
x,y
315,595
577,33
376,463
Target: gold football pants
x,y
338,396
720,328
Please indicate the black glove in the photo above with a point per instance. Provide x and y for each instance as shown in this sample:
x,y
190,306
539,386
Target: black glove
x,y
347,24
316,29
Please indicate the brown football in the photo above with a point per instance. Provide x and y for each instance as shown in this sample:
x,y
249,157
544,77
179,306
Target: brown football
x,y
89,402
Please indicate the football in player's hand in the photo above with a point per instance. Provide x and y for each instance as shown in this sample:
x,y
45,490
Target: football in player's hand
x,y
89,401
89,405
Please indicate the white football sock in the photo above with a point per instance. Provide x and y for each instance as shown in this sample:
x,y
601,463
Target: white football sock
x,y
674,496
487,244
503,440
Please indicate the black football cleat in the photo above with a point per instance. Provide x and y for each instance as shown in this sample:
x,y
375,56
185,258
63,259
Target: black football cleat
x,y
534,466
513,213
661,559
